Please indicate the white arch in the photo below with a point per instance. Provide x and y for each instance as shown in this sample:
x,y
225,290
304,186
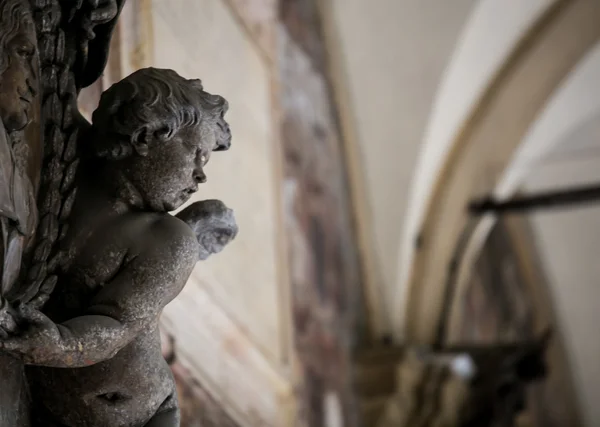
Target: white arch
x,y
492,32
575,105
572,110
571,114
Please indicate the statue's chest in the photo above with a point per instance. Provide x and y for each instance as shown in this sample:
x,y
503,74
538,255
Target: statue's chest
x,y
95,265
91,269
97,256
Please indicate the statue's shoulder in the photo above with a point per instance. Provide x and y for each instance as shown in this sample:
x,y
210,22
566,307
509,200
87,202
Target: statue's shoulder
x,y
170,236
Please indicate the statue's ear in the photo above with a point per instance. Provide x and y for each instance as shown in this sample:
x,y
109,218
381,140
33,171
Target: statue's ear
x,y
140,141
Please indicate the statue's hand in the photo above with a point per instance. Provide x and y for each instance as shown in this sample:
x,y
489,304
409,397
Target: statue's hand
x,y
213,223
8,323
38,334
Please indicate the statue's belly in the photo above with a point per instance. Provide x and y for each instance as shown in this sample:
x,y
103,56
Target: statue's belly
x,y
123,391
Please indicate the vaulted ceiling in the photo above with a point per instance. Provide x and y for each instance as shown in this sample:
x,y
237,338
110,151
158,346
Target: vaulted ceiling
x,y
446,105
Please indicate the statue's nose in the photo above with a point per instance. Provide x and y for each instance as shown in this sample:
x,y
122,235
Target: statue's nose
x,y
31,86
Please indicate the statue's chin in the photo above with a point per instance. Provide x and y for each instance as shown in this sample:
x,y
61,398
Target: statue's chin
x,y
162,205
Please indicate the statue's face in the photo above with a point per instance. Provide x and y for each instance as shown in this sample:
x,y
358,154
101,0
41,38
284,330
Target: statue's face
x,y
17,82
168,175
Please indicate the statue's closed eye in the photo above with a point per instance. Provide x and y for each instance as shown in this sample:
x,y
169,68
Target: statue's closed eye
x,y
22,47
113,397
24,51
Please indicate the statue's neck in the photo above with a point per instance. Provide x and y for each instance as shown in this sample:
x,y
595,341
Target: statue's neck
x,y
113,190
127,196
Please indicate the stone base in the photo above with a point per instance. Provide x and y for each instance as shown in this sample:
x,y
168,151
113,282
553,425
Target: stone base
x,y
14,398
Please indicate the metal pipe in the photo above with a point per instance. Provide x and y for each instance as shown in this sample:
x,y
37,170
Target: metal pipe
x,y
547,200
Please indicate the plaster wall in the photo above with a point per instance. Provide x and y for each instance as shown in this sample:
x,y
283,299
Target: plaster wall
x,y
393,54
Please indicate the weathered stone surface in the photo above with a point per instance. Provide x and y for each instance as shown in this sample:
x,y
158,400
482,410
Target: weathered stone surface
x,y
14,397
327,300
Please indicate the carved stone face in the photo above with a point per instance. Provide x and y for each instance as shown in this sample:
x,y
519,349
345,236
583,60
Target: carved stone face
x,y
167,173
17,79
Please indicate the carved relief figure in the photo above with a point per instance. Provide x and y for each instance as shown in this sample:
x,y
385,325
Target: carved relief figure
x,y
95,352
18,79
73,39
18,90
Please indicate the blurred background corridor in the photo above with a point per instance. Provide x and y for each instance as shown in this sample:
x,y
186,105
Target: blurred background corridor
x,y
414,183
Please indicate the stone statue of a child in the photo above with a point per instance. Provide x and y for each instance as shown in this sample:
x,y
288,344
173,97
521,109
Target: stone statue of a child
x,y
94,353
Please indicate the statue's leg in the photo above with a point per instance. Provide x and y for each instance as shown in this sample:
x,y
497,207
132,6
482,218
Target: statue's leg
x,y
167,414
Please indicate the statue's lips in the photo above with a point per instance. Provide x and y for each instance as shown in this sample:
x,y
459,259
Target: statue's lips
x,y
26,102
187,194
22,122
189,191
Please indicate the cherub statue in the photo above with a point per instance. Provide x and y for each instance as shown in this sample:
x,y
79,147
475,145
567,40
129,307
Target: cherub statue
x,y
94,353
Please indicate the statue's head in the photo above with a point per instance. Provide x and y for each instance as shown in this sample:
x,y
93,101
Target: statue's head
x,y
18,77
213,223
158,130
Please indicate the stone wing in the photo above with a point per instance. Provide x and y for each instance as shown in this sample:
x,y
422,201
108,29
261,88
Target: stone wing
x,y
97,26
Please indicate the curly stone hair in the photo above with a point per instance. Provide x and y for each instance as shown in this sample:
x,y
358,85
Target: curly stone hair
x,y
13,15
156,104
